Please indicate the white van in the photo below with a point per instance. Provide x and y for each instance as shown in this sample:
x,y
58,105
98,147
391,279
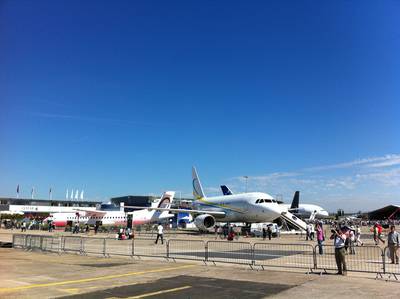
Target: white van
x,y
256,229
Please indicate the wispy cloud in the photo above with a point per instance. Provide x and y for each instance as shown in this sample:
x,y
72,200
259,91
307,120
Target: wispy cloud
x,y
387,160
361,178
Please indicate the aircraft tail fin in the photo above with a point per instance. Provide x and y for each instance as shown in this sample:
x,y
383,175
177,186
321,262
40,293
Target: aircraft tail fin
x,y
226,190
295,202
165,201
197,188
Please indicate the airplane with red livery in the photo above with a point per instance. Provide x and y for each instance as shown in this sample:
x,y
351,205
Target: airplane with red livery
x,y
99,217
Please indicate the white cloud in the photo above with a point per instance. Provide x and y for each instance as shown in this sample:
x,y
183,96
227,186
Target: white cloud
x,y
383,161
376,179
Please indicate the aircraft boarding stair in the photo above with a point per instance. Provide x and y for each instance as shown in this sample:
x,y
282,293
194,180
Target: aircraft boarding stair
x,y
294,220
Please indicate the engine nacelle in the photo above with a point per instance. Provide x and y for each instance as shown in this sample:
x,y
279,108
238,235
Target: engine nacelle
x,y
203,222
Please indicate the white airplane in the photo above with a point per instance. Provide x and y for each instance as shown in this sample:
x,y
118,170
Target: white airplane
x,y
247,207
309,211
304,210
117,217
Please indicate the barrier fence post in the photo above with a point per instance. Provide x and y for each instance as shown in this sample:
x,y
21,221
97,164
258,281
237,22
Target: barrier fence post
x,y
133,246
315,258
206,252
384,260
26,242
104,247
168,249
63,243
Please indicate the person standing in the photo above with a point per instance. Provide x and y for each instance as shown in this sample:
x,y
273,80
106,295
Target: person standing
x,y
264,233
312,232
160,232
339,238
352,240
269,231
358,236
320,238
393,244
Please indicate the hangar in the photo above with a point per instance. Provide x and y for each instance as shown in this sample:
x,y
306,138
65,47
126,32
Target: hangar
x,y
390,212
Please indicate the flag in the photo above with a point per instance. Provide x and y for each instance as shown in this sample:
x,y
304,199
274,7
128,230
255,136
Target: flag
x,y
76,194
18,191
72,194
66,195
32,192
50,193
82,195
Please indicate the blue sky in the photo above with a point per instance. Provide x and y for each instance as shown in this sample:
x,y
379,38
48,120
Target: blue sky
x,y
123,98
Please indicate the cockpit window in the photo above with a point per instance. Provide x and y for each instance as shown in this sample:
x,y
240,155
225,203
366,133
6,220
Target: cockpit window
x,y
264,200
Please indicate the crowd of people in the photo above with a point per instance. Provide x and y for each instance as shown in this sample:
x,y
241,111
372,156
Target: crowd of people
x,y
346,236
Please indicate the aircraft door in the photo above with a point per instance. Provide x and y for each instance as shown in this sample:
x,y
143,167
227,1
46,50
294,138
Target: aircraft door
x,y
129,221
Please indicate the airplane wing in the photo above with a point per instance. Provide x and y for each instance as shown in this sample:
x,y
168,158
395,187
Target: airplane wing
x,y
217,213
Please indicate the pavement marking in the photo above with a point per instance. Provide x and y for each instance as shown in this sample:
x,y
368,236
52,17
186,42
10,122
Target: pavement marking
x,y
71,291
42,285
156,293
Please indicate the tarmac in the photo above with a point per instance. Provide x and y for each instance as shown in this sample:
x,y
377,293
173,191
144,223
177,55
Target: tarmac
x,y
37,275
25,274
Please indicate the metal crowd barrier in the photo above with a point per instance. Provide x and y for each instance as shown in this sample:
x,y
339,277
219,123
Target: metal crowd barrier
x,y
393,269
94,246
118,247
145,247
33,242
18,241
229,252
50,244
284,255
370,259
72,244
358,259
186,249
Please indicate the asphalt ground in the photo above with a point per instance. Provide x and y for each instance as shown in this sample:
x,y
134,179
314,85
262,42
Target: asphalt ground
x,y
37,275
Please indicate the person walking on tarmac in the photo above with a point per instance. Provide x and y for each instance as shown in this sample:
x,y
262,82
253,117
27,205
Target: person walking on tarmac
x,y
160,232
339,238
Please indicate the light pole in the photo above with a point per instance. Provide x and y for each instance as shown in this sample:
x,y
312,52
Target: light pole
x,y
246,178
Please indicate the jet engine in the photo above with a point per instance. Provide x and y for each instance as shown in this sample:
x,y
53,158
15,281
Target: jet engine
x,y
205,221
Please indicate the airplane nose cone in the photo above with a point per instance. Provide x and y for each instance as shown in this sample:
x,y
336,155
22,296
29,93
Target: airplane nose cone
x,y
277,210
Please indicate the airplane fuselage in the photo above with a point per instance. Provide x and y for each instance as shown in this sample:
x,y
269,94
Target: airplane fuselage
x,y
246,207
306,210
109,218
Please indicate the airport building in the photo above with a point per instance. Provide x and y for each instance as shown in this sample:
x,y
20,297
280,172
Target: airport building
x,y
43,206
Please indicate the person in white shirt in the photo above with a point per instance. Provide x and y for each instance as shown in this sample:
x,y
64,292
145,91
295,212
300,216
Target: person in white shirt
x,y
160,230
339,238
